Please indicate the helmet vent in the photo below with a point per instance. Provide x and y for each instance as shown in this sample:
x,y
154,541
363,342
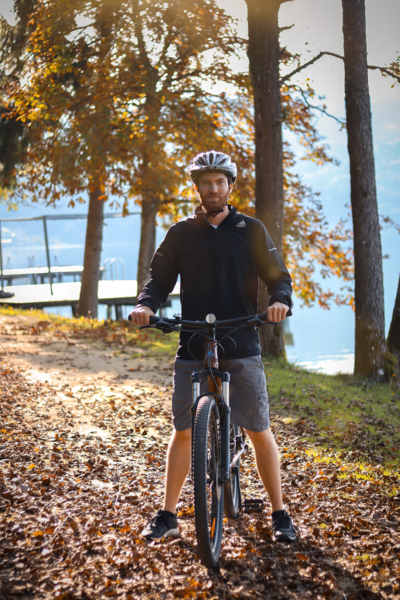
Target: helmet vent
x,y
212,161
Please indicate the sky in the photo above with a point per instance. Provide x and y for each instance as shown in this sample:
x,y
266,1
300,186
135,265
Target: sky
x,y
317,27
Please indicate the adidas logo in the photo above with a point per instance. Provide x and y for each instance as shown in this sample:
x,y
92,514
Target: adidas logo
x,y
241,224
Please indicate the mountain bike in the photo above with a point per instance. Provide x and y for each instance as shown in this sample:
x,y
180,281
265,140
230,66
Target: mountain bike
x,y
217,444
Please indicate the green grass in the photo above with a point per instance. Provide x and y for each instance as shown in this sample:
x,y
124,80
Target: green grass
x,y
338,411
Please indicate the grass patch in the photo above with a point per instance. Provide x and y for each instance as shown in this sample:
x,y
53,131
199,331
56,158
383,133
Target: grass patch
x,y
338,411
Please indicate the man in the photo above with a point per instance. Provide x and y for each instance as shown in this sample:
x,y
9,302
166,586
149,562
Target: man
x,y
219,255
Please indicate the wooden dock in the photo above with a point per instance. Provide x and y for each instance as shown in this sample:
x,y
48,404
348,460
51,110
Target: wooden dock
x,y
36,274
111,293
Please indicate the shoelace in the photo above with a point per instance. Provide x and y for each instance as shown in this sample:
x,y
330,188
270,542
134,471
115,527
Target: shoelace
x,y
153,520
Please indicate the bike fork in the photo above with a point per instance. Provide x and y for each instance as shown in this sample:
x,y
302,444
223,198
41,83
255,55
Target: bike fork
x,y
195,395
225,420
225,432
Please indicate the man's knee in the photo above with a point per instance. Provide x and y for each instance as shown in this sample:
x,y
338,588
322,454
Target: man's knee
x,y
182,436
261,437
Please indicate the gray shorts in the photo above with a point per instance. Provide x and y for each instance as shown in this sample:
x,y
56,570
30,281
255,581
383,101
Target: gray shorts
x,y
248,393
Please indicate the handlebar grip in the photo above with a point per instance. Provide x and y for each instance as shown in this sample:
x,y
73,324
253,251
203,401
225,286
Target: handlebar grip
x,y
264,316
153,320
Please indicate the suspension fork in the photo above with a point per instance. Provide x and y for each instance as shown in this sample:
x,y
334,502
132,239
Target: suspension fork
x,y
225,418
196,381
225,412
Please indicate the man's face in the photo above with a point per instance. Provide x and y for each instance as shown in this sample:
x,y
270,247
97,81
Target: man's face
x,y
214,190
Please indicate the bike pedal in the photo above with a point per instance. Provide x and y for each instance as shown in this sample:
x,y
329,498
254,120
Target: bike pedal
x,y
253,506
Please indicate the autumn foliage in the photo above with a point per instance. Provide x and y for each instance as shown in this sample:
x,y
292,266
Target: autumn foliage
x,y
118,97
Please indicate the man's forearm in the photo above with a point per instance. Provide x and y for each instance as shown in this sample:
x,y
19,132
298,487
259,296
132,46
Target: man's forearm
x,y
151,296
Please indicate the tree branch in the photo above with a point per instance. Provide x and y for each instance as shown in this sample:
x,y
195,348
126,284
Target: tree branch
x,y
167,43
140,38
307,64
341,122
285,28
385,70
321,54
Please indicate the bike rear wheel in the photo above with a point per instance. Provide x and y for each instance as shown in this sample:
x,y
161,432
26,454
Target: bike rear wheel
x,y
208,493
232,499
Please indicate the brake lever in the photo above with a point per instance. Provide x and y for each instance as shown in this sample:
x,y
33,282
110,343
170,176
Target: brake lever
x,y
259,323
166,328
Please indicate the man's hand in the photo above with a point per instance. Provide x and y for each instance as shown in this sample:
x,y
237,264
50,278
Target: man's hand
x,y
277,312
141,315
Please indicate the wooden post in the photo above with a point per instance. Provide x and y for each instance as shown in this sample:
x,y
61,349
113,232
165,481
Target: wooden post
x,y
46,241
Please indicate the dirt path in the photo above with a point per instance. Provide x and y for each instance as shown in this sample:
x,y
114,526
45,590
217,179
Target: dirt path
x,y
84,429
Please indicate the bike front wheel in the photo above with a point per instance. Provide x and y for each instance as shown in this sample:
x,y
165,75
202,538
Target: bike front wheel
x,y
208,493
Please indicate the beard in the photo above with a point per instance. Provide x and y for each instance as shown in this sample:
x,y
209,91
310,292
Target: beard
x,y
214,202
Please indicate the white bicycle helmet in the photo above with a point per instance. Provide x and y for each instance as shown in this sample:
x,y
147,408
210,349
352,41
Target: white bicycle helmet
x,y
212,161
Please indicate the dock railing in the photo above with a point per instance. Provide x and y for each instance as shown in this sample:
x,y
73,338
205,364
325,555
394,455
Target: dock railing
x,y
44,220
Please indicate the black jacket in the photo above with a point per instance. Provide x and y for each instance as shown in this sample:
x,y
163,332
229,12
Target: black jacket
x,y
219,270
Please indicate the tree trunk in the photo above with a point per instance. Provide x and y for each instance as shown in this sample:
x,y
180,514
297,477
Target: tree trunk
x,y
393,339
147,241
88,299
370,318
264,57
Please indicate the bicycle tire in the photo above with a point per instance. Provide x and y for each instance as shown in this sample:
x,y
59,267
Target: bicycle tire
x,y
232,500
208,494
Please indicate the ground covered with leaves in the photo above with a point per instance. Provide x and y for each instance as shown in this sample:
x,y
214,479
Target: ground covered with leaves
x,y
85,424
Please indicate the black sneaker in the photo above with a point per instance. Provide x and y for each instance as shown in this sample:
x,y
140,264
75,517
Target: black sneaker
x,y
282,527
164,524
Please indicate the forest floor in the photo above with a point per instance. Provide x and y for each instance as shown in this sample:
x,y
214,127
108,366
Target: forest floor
x,y
84,427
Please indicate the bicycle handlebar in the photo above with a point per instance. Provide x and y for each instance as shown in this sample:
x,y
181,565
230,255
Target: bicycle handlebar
x,y
261,319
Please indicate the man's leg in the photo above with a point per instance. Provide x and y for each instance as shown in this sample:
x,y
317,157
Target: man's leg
x,y
179,450
178,466
165,522
267,460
